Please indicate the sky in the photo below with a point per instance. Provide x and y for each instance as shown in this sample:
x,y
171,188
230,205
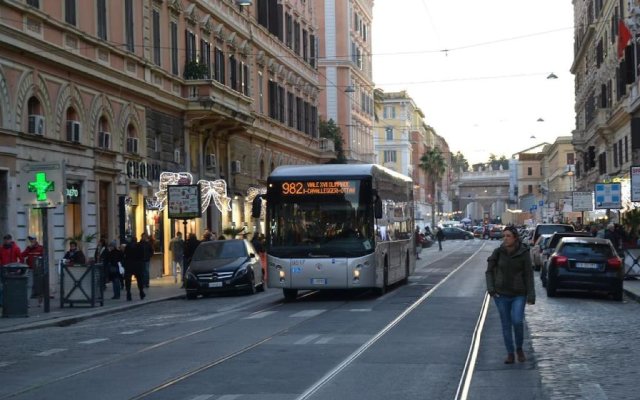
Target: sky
x,y
486,92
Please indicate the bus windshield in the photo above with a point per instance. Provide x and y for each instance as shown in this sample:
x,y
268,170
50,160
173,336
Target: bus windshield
x,y
321,225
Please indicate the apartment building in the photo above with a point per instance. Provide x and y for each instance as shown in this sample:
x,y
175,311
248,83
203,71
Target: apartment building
x,y
607,95
117,92
345,72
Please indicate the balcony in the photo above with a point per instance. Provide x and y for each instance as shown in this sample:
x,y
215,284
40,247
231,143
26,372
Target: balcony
x,y
210,95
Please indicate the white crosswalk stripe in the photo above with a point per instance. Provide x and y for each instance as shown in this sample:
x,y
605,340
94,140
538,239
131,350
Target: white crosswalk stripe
x,y
92,341
261,314
6,363
307,313
49,352
307,339
133,332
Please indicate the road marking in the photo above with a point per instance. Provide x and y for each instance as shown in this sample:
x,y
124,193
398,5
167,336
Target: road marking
x,y
307,313
131,332
205,317
92,341
360,310
325,340
261,314
592,391
580,369
307,339
6,363
202,397
229,397
47,353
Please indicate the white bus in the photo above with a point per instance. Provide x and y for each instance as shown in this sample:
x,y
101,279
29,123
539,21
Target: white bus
x,y
338,226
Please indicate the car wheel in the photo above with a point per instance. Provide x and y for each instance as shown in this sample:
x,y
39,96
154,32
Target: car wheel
x,y
192,296
290,294
252,286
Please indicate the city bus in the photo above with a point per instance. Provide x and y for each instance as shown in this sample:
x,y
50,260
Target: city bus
x,y
337,226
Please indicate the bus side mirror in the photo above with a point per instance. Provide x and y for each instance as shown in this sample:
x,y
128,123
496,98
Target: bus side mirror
x,y
377,207
256,207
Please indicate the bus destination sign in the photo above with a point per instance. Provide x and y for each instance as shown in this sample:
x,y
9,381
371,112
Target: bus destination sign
x,y
319,188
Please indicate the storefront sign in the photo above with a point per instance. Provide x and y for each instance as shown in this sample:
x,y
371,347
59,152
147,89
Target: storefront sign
x,y
635,183
143,170
608,195
183,201
42,185
582,201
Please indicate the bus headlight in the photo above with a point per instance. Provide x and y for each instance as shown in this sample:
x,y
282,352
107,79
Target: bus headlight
x,y
356,272
281,273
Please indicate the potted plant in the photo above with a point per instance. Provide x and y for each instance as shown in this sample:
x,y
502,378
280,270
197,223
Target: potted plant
x,y
195,70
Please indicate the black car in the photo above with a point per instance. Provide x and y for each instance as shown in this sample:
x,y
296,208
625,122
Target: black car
x,y
585,263
224,265
456,233
551,228
550,247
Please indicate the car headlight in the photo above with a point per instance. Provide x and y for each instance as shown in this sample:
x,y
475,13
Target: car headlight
x,y
241,271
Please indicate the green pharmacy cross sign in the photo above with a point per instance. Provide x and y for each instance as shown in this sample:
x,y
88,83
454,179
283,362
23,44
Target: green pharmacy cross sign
x,y
41,186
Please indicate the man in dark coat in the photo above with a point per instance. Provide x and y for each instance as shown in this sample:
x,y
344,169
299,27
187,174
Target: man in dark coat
x,y
134,266
440,237
190,247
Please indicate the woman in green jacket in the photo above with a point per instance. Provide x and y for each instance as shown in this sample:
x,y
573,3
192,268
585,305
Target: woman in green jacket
x,y
510,283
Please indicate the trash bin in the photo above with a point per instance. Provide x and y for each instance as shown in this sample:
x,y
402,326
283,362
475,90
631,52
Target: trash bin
x,y
14,290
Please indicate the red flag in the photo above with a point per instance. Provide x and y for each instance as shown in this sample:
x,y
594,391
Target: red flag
x,y
624,35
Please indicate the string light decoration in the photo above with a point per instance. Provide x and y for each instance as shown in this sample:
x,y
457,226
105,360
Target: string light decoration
x,y
252,192
208,189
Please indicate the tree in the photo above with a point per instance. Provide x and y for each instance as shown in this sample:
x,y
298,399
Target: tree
x,y
459,163
378,100
433,164
329,130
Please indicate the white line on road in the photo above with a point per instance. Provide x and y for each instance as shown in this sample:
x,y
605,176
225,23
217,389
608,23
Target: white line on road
x,y
133,332
202,397
307,339
261,314
360,310
92,341
50,352
307,313
6,363
229,397
592,391
325,340
205,317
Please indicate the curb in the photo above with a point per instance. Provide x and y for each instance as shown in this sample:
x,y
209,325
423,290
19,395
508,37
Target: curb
x,y
73,319
632,295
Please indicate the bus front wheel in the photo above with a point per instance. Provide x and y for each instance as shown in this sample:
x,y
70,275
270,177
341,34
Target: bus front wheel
x,y
290,294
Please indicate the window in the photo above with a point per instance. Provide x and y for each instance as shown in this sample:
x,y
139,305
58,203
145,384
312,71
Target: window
x,y
273,99
570,159
389,132
128,25
389,156
290,109
389,112
312,49
233,72
305,45
156,37
261,92
34,3
219,65
615,155
529,171
132,140
296,37
620,152
205,56
288,30
190,46
70,12
626,150
530,189
173,29
101,9
299,114
245,79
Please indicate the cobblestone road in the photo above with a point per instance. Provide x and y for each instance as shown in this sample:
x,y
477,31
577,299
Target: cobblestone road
x,y
587,346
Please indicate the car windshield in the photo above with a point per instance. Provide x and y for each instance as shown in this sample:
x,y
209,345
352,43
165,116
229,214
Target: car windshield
x,y
546,229
220,249
596,250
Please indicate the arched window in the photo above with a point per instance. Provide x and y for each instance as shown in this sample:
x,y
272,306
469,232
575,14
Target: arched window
x,y
104,133
132,139
73,126
262,169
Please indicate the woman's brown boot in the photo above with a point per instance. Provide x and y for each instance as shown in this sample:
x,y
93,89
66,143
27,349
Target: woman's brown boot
x,y
521,356
510,359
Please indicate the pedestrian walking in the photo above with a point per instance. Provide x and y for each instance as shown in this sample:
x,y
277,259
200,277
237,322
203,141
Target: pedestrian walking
x,y
134,267
114,260
99,258
176,246
509,278
439,237
30,254
418,242
9,253
147,252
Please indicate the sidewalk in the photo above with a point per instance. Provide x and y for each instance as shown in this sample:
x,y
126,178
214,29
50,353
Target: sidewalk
x,y
632,288
160,289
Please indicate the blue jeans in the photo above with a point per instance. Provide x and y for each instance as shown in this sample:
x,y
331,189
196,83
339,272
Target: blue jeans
x,y
511,309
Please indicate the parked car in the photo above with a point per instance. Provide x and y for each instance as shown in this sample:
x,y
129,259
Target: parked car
x,y
222,266
496,232
478,231
551,228
585,263
550,246
456,233
537,249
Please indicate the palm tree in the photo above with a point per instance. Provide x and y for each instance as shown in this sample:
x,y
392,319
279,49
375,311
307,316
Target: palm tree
x,y
433,164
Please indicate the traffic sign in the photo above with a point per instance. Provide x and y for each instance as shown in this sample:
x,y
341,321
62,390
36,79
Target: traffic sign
x,y
582,201
42,185
608,195
635,183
